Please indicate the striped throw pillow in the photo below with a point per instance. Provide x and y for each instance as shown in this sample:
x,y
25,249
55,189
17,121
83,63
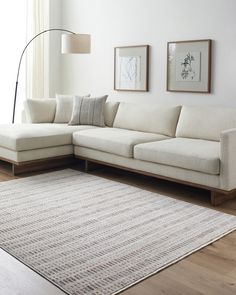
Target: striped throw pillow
x,y
88,111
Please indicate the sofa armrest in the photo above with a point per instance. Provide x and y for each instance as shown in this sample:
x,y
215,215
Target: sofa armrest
x,y
228,159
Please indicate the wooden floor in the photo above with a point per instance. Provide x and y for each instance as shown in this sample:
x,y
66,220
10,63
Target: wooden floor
x,y
210,271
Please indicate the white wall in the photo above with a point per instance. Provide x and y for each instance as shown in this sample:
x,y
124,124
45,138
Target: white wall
x,y
13,36
155,22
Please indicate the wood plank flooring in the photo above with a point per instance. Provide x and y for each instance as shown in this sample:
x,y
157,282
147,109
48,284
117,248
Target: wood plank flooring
x,y
16,278
210,271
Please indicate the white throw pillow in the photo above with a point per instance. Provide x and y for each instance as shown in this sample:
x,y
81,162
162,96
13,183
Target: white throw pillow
x,y
64,108
40,110
88,111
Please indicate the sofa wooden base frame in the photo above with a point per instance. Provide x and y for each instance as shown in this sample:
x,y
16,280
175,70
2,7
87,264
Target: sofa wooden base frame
x,y
14,168
218,196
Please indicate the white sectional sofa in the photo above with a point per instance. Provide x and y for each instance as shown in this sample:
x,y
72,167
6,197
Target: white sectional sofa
x,y
190,145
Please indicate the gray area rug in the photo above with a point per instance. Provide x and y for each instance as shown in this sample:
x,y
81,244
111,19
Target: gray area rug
x,y
90,235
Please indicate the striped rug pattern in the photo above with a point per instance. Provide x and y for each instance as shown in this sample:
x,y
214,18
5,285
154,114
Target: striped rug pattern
x,y
93,236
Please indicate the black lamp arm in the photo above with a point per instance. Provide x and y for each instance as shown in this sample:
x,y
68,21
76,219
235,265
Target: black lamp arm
x,y
22,54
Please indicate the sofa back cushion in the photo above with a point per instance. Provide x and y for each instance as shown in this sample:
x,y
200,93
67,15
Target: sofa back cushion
x,y
147,118
205,122
40,110
110,111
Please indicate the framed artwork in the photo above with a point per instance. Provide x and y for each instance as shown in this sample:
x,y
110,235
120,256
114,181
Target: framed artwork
x,y
189,66
131,67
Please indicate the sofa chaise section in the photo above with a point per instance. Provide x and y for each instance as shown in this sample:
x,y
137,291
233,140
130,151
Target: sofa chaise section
x,y
39,143
20,144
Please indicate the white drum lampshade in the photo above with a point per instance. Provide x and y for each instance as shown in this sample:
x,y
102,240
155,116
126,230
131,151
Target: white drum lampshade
x,y
75,43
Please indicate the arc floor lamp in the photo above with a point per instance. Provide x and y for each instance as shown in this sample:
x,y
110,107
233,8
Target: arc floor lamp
x,y
70,43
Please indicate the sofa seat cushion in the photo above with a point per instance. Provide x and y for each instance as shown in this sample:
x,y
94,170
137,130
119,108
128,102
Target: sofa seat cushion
x,y
114,140
193,154
23,137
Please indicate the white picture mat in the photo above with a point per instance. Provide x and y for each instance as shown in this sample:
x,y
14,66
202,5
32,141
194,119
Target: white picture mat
x,y
131,68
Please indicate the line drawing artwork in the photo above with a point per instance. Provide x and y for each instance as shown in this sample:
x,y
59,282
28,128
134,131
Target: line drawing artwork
x,y
188,66
130,72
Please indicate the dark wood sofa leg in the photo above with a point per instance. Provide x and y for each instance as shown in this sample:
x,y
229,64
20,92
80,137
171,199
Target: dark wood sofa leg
x,y
218,198
13,169
86,166
90,166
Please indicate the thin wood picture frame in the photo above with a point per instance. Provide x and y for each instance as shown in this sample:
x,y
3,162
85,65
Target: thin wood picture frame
x,y
131,68
189,66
